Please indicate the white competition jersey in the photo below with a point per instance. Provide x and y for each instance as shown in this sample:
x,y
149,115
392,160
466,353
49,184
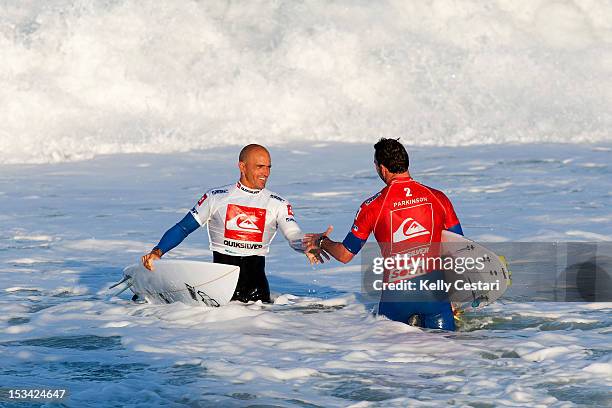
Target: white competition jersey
x,y
242,221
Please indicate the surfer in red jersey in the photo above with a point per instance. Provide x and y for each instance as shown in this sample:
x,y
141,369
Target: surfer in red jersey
x,y
406,217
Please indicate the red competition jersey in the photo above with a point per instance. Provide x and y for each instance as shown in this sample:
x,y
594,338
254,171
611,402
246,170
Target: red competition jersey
x,y
405,216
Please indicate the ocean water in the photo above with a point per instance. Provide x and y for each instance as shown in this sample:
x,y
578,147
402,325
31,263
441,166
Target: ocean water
x,y
117,114
70,228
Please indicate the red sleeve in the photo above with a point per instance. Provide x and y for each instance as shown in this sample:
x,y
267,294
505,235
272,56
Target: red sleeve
x,y
450,217
364,222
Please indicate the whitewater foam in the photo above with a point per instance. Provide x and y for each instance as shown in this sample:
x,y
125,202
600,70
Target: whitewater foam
x,y
82,78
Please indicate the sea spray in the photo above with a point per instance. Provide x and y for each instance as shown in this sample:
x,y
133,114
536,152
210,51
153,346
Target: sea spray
x,y
81,78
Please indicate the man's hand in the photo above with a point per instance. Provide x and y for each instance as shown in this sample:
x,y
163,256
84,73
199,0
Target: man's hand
x,y
316,255
147,260
312,242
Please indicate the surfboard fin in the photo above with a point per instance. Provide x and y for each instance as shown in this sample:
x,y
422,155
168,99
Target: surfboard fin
x,y
120,282
127,281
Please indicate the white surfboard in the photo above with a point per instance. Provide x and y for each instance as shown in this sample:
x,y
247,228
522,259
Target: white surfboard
x,y
495,271
190,282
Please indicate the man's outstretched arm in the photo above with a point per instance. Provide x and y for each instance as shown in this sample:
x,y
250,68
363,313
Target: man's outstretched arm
x,y
172,238
297,239
346,250
198,216
341,251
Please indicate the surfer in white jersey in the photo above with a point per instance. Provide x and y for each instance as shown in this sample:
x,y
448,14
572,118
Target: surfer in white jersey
x,y
242,220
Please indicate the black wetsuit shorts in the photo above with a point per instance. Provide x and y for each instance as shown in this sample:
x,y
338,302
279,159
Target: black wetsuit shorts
x,y
252,283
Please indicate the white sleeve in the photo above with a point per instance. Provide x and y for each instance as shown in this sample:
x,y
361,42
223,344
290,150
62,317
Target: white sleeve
x,y
289,227
203,209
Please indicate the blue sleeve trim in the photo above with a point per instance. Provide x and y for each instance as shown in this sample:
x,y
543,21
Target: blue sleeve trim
x,y
352,243
456,229
178,233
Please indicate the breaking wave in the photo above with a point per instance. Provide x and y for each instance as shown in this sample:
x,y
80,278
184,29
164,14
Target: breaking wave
x,y
81,78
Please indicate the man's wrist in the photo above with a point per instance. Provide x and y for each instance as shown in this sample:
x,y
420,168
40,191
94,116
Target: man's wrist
x,y
320,240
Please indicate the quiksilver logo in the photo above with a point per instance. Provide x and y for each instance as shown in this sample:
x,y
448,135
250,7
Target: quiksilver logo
x,y
409,228
242,245
242,222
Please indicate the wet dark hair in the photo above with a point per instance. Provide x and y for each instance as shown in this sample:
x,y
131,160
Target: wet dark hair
x,y
391,154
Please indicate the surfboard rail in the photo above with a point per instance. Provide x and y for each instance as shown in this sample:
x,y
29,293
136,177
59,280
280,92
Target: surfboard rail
x,y
188,281
494,278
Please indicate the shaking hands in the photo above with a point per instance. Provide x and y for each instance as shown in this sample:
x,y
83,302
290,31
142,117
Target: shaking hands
x,y
312,246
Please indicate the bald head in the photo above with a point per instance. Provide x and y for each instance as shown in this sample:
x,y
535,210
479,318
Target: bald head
x,y
251,149
255,164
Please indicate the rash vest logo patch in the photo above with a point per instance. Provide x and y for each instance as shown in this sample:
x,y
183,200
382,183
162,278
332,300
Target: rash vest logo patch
x,y
410,226
244,223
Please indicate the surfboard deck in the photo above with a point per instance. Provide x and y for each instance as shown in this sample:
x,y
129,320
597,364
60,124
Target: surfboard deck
x,y
190,282
495,271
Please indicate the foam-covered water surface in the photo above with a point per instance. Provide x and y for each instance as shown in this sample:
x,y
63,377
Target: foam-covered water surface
x,y
70,228
80,78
